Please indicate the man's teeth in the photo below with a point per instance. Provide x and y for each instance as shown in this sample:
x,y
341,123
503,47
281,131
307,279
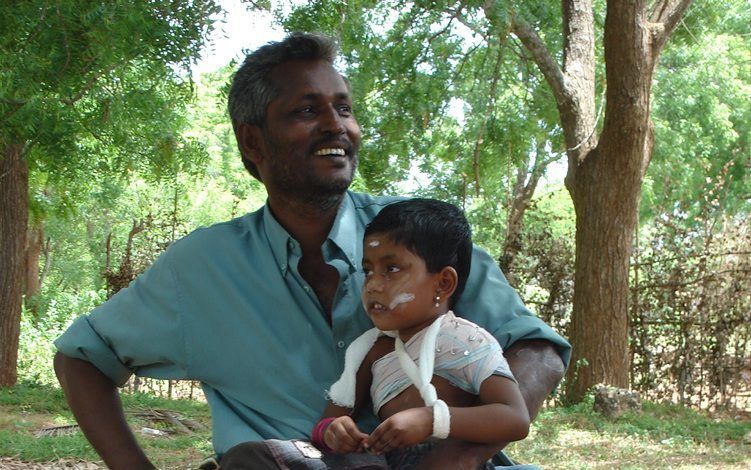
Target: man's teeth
x,y
330,151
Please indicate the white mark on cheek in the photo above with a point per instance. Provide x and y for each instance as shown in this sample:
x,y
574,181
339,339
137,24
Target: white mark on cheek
x,y
401,299
374,243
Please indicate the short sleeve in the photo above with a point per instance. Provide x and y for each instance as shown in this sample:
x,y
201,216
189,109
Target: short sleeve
x,y
486,359
139,330
492,303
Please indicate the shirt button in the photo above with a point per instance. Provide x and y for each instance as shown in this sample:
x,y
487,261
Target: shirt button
x,y
341,344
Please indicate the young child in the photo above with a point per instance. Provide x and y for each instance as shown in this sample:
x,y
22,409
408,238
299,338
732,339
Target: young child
x,y
429,374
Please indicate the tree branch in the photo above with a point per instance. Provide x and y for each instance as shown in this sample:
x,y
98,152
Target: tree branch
x,y
15,105
89,85
658,10
47,252
668,18
442,31
471,26
545,62
486,118
65,43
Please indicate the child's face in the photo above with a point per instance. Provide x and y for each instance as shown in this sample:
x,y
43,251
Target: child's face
x,y
399,292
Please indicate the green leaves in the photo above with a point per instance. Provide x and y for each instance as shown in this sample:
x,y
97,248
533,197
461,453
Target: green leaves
x,y
97,92
702,111
83,81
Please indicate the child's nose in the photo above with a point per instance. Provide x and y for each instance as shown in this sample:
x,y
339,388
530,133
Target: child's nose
x,y
373,284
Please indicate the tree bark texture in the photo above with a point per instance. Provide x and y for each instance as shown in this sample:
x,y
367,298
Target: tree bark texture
x,y
34,246
14,190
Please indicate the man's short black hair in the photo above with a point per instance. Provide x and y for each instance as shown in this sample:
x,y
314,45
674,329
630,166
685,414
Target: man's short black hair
x,y
435,231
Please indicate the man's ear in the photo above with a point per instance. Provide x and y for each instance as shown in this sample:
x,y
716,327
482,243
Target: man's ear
x,y
447,281
249,141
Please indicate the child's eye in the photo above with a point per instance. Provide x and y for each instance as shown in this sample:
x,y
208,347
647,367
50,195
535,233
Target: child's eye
x,y
393,269
367,271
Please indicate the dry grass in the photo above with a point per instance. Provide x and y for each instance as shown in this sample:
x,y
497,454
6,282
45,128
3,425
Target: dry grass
x,y
7,463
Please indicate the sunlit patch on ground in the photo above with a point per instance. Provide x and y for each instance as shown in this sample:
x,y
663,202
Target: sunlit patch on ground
x,y
566,447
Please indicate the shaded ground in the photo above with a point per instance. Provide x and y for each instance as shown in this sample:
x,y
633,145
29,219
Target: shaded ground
x,y
174,433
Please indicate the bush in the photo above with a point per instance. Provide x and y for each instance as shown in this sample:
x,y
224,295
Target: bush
x,y
36,348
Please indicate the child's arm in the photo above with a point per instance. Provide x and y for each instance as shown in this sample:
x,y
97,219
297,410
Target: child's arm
x,y
501,416
342,434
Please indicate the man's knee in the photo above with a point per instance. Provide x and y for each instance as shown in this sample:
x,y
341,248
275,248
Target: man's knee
x,y
254,455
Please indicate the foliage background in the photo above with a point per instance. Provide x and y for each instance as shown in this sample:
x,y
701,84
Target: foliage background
x,y
433,131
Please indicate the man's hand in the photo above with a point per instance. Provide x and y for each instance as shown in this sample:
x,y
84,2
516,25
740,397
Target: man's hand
x,y
95,403
403,429
343,436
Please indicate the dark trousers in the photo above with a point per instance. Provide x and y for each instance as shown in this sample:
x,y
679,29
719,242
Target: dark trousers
x,y
294,455
301,455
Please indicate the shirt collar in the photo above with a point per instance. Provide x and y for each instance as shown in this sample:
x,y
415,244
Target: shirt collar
x,y
278,238
343,234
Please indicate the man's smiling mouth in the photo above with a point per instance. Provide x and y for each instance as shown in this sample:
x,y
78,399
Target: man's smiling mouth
x,y
330,151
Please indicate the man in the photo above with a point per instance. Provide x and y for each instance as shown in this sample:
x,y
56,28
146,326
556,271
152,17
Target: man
x,y
260,309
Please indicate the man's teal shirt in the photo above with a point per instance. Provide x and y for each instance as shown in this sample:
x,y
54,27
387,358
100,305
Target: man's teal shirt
x,y
227,306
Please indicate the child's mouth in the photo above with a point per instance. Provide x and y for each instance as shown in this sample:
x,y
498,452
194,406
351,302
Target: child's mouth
x,y
377,307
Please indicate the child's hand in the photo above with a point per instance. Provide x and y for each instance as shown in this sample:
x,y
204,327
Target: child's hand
x,y
403,429
343,436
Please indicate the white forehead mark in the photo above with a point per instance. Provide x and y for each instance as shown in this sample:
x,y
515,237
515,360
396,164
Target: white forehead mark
x,y
374,243
401,299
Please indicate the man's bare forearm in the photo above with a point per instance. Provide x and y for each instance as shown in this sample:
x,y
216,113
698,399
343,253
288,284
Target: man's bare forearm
x,y
95,403
537,368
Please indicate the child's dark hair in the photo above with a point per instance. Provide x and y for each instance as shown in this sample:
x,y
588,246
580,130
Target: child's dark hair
x,y
435,231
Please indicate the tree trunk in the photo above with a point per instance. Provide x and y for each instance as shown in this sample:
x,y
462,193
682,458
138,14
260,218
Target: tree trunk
x,y
604,175
605,188
606,203
33,281
14,191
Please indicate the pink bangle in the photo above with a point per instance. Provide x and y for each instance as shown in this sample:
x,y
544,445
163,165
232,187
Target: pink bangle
x,y
318,432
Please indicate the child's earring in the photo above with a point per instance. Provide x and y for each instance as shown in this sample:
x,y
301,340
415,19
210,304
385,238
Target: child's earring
x,y
437,301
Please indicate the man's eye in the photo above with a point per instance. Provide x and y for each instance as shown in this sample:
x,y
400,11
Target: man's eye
x,y
345,110
305,110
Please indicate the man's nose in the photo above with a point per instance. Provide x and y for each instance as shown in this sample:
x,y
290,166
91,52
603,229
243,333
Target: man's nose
x,y
331,121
